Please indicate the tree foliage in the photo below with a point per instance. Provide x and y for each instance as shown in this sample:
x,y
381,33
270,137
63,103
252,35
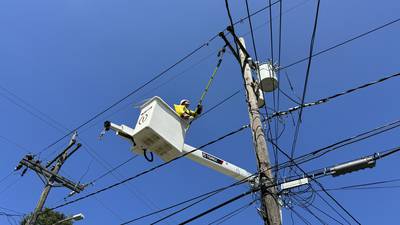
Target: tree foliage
x,y
48,217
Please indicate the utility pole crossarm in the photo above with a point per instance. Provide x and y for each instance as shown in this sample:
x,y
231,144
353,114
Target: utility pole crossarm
x,y
51,176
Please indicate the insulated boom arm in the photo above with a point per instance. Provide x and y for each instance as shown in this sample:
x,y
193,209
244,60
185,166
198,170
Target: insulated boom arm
x,y
197,156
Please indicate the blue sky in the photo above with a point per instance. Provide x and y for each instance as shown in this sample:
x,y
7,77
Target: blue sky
x,y
71,59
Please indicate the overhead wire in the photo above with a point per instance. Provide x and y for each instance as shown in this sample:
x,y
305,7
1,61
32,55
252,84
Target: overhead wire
x,y
305,208
201,196
342,141
299,215
281,167
326,99
320,185
232,213
157,76
127,96
343,43
326,214
185,208
231,21
49,121
151,169
112,170
311,49
278,77
347,141
217,207
366,185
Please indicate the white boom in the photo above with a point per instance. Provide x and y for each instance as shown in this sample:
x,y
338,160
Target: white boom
x,y
198,156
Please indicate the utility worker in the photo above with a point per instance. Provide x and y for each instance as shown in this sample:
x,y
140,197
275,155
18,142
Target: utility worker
x,y
185,113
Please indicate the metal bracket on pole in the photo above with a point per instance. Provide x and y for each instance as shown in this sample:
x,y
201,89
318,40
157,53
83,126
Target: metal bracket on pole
x,y
222,35
71,143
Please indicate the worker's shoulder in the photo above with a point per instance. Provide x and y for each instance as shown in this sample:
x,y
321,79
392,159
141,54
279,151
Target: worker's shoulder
x,y
178,107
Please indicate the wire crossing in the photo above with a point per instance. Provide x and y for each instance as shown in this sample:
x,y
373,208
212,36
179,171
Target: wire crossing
x,y
343,43
151,169
324,100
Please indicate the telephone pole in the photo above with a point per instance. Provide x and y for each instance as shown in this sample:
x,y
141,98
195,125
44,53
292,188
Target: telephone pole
x,y
50,177
270,209
269,202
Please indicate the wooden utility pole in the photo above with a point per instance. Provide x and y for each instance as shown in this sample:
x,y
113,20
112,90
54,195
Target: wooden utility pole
x,y
50,177
269,199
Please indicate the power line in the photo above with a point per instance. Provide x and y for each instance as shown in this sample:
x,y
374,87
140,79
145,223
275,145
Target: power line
x,y
233,213
50,122
326,99
217,207
112,169
319,184
207,194
364,185
127,96
299,215
296,133
231,22
343,43
148,82
151,169
271,32
192,204
219,103
326,214
305,208
362,136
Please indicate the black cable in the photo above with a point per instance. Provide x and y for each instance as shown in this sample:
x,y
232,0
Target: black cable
x,y
280,33
326,214
306,80
343,43
112,170
184,208
290,98
151,169
278,77
314,215
149,81
217,207
147,157
205,195
251,30
362,136
7,176
319,184
326,99
271,33
232,214
219,103
355,186
32,109
231,22
20,147
300,216
127,96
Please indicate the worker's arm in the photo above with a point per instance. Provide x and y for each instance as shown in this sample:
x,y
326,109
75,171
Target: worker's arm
x,y
191,113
